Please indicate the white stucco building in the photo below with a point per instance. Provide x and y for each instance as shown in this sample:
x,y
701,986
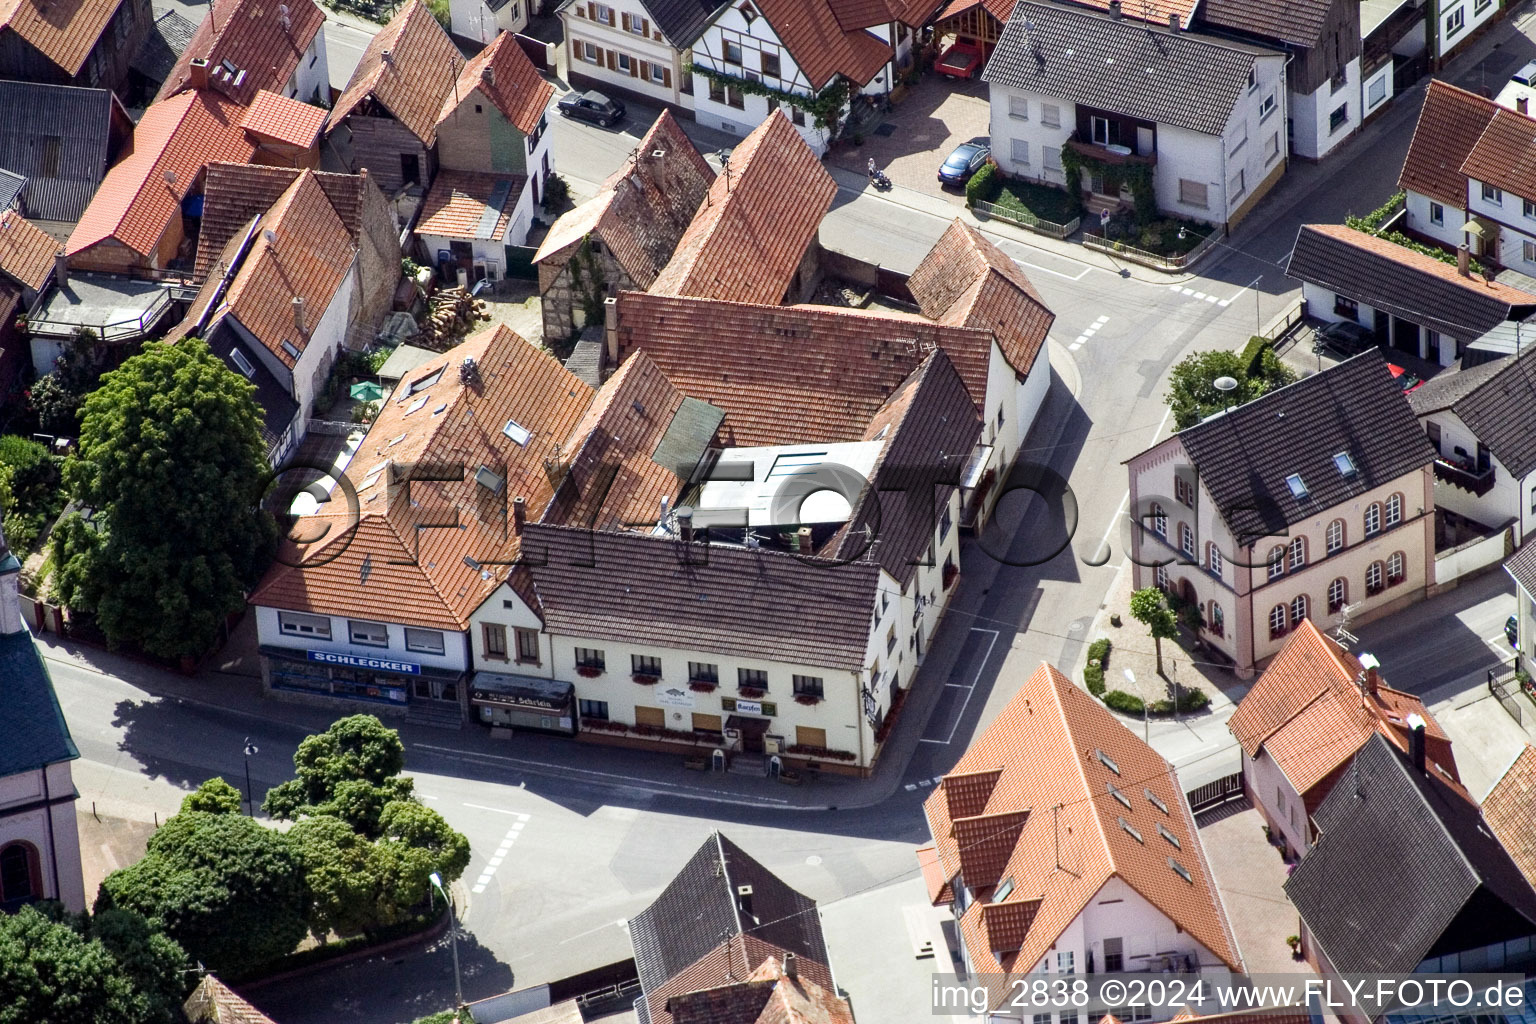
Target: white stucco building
x,y
481,21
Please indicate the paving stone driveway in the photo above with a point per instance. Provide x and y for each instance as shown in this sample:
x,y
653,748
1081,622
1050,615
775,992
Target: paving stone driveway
x,y
1251,877
929,122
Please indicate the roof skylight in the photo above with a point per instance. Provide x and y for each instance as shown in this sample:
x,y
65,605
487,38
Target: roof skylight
x,y
1118,795
417,404
1298,488
516,431
1107,761
1181,871
1003,890
1162,830
422,383
1344,464
1131,831
1155,800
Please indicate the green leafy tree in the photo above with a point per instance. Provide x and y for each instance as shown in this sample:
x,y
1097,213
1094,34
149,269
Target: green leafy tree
x,y
1149,608
215,797
229,891
152,961
57,396
352,771
171,458
345,877
1192,393
410,825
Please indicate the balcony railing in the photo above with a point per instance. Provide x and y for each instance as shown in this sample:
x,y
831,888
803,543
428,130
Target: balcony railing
x,y
1111,154
1478,483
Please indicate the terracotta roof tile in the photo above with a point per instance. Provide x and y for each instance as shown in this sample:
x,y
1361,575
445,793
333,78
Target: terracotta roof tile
x,y
214,1002
514,88
180,135
967,281
821,47
791,374
64,31
458,202
281,119
250,35
767,996
234,193
1450,123
1045,746
26,250
747,241
436,418
644,207
1510,808
421,70
1505,155
1308,712
308,257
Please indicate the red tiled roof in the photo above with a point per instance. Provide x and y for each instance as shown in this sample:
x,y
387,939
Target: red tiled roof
x,y
767,996
514,88
787,374
445,422
422,67
281,119
250,35
459,200
747,241
308,257
720,967
26,250
64,31
1510,808
233,193
181,135
1505,156
822,47
1053,800
967,281
213,1002
1309,713
1450,123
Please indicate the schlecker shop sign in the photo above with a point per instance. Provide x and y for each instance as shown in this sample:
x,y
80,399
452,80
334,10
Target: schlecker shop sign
x,y
353,661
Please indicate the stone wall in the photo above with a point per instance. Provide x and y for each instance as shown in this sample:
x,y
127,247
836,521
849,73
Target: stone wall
x,y
561,305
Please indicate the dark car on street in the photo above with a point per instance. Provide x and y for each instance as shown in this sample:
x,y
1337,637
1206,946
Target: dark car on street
x,y
965,161
592,106
1345,338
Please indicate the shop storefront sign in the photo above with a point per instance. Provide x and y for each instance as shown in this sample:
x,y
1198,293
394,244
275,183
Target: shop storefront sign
x,y
749,707
674,696
353,661
518,700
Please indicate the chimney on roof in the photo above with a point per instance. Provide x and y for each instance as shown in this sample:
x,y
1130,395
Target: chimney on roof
x,y
10,593
387,57
197,73
744,901
1369,679
1464,261
1416,742
488,75
611,329
519,514
791,966
1521,103
60,269
1114,9
685,523
1173,21
298,313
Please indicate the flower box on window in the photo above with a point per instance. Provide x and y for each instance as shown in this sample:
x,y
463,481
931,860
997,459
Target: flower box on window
x,y
1276,634
751,692
646,678
1373,591
702,685
589,671
808,698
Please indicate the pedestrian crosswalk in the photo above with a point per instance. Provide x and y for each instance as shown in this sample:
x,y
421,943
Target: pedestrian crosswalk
x,y
500,855
1088,332
1188,292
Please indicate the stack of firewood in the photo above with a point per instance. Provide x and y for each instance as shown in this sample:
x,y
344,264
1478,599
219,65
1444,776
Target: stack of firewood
x,y
450,314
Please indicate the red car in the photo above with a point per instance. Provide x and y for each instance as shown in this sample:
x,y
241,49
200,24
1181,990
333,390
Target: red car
x,y
961,60
1407,381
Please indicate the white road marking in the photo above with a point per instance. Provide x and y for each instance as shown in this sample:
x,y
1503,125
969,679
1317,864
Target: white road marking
x,y
1210,298
1199,295
969,689
501,852
1186,291
911,786
1115,520
499,810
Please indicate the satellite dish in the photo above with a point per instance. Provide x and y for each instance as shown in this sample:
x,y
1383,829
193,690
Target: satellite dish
x,y
271,238
170,176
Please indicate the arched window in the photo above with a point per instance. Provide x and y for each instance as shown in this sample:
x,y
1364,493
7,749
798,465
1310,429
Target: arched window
x,y
1336,536
1298,608
1159,521
1298,553
1372,519
1160,575
1187,540
1373,574
1213,558
21,879
1394,510
1396,568
1276,562
1338,594
1217,619
1277,621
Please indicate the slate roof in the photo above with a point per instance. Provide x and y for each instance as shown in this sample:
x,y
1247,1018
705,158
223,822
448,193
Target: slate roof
x,y
384,568
515,87
462,204
273,399
26,251
275,118
250,35
1450,123
746,242
682,21
234,193
1444,390
1299,22
33,733
162,45
690,932
64,31
992,822
183,134
1510,807
1309,713
1522,566
643,208
1505,155
966,281
1443,861
820,46
1497,406
788,374
1143,70
11,186
81,119
1408,284
421,70
1245,455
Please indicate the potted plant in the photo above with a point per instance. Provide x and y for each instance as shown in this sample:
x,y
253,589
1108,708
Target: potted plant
x,y
588,671
646,679
1294,941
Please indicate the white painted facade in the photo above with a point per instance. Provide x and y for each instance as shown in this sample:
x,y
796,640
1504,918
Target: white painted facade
x,y
1510,498
1326,117
1377,89
1516,216
312,78
1432,345
1278,801
475,21
1441,221
617,43
37,810
270,632
1459,20
308,374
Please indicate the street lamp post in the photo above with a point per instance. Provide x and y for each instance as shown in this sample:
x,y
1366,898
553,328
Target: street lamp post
x,y
453,934
250,752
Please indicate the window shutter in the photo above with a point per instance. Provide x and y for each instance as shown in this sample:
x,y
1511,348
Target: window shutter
x,y
591,10
666,77
645,70
613,61
645,26
634,68
626,22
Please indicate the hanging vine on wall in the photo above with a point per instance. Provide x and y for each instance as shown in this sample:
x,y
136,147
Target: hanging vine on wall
x,y
588,282
1135,176
826,107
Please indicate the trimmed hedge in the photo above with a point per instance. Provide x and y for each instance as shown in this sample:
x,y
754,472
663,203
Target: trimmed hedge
x,y
984,185
1093,675
1191,698
1253,354
1125,703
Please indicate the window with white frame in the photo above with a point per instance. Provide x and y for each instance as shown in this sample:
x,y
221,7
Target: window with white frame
x,y
590,53
1194,193
1335,536
1372,519
1493,195
1339,118
1277,621
1050,115
605,14
1396,566
1528,251
1019,150
732,52
1455,22
1337,593
1436,213
1276,562
1528,208
1184,492
1213,559
658,74
1373,578
1159,521
319,626
1187,540
1298,608
626,63
1377,91
1160,577
1298,553
1018,107
1394,510
370,634
1267,107
1218,620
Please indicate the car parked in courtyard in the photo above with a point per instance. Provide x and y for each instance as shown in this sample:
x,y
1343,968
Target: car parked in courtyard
x,y
966,160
